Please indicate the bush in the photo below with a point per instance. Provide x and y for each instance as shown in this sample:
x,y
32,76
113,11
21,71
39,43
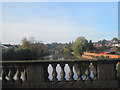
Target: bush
x,y
8,54
101,56
97,57
107,57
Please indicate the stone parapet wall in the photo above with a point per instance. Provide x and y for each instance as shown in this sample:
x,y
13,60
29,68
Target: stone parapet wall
x,y
35,74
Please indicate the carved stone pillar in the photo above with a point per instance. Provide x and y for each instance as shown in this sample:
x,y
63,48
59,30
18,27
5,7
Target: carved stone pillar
x,y
12,71
71,72
54,74
95,72
18,75
115,71
0,70
106,70
46,74
87,72
25,75
36,75
5,72
62,72
79,73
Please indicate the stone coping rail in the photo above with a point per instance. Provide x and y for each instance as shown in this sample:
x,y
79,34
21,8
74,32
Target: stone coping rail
x,y
35,73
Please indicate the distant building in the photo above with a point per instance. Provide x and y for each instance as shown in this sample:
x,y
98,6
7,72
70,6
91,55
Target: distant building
x,y
97,45
108,43
8,45
3,47
116,43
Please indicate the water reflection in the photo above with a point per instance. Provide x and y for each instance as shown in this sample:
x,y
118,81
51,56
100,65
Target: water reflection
x,y
55,57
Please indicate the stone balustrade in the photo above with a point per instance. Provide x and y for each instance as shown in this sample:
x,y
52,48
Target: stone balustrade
x,y
34,74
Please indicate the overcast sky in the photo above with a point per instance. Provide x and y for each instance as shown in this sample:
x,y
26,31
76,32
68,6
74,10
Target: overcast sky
x,y
59,21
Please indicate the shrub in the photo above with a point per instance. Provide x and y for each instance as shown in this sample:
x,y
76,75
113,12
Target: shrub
x,y
107,57
101,56
97,57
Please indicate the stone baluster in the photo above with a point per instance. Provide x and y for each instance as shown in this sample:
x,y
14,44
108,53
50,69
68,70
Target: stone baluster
x,y
25,75
12,71
54,74
71,72
5,72
87,72
115,71
46,74
0,70
18,75
95,72
62,72
24,81
79,73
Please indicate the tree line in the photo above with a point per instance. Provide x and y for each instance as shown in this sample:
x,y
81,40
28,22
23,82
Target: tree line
x,y
78,47
28,50
33,50
81,45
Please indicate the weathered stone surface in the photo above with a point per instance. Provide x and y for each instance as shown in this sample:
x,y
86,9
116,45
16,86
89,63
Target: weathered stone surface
x,y
37,75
